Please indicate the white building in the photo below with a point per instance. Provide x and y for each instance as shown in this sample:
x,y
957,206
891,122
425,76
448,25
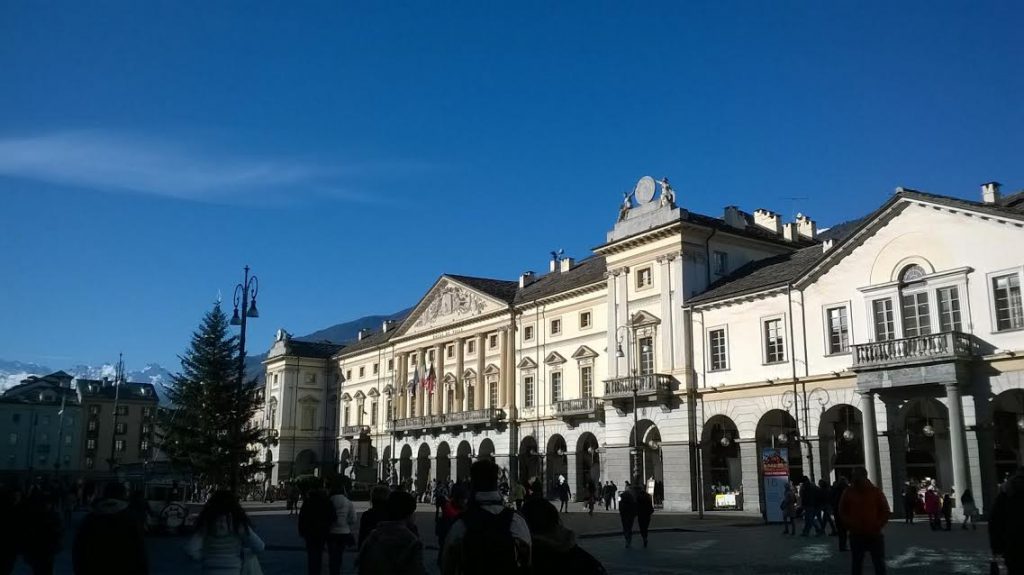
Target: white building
x,y
734,333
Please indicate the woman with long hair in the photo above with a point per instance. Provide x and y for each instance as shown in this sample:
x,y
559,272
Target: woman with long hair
x,y
223,533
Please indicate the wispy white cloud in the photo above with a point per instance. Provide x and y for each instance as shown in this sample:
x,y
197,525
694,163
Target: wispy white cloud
x,y
128,163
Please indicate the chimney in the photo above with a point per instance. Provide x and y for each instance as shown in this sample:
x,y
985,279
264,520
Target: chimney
x,y
789,232
806,227
526,279
768,220
735,218
553,265
388,324
990,193
827,245
566,264
363,333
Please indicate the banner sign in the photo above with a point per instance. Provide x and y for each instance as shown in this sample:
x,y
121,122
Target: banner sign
x,y
775,470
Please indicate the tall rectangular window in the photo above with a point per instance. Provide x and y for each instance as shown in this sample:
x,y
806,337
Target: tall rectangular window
x,y
556,326
360,412
721,262
528,391
838,330
646,345
1006,296
376,368
717,351
885,327
470,346
774,341
90,444
586,320
412,404
916,318
119,445
391,364
121,429
949,309
373,413
390,406
556,386
345,418
470,393
492,394
587,381
450,400
449,351
528,333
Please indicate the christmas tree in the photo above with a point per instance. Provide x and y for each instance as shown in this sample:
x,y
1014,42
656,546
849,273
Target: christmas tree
x,y
207,429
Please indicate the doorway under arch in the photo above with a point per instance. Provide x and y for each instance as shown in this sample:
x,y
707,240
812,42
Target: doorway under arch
x,y
444,461
486,450
841,441
556,464
405,465
646,460
463,460
305,462
722,471
529,460
422,468
1008,432
925,425
588,463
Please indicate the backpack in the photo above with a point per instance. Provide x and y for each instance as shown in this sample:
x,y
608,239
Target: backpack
x,y
488,546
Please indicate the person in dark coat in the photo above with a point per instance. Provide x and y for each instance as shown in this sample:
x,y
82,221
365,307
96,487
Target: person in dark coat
x,y
644,511
110,539
41,532
375,514
947,509
563,496
825,505
627,513
909,503
554,548
836,495
316,518
1006,523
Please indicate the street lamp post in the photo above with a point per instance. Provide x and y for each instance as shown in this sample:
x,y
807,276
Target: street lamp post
x,y
245,295
635,389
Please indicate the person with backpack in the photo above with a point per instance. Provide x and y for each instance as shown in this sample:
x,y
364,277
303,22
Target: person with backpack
x,y
489,537
340,535
554,548
627,513
315,521
110,539
394,547
223,535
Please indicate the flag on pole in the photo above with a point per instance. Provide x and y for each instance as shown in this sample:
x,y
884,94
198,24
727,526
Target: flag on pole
x,y
415,380
431,379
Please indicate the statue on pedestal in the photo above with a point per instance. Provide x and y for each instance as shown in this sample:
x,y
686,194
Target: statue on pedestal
x,y
668,197
626,205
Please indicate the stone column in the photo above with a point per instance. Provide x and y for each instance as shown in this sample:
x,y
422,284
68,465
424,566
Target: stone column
x,y
440,406
749,457
957,443
667,331
613,363
622,315
398,398
870,432
680,321
460,368
504,379
480,393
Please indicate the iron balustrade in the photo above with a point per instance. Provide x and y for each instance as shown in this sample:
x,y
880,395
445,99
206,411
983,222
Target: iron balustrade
x,y
354,430
578,406
936,346
646,385
473,417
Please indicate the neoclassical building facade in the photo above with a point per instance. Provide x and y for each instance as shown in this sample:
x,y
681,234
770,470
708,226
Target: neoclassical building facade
x,y
682,346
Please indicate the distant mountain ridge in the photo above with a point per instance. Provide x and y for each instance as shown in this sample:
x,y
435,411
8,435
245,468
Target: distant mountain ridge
x,y
13,372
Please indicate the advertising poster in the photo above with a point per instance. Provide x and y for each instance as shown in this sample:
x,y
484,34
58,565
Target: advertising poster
x,y
775,470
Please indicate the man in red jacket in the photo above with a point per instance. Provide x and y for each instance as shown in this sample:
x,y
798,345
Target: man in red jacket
x,y
865,511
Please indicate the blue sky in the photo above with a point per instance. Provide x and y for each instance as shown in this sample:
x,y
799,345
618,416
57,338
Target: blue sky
x,y
351,152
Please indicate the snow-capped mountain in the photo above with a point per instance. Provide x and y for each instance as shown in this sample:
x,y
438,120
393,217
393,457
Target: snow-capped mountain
x,y
13,372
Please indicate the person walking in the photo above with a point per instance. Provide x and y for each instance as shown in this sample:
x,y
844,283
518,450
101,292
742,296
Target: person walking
x,y
933,507
1006,523
453,509
789,512
563,495
341,531
947,509
627,513
970,509
644,511
554,548
375,514
864,510
825,506
110,539
518,494
489,537
393,547
836,496
809,502
909,503
293,499
41,532
315,521
223,536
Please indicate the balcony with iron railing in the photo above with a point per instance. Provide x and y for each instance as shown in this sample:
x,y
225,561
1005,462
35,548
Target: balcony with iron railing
x,y
480,417
350,431
936,347
646,385
569,410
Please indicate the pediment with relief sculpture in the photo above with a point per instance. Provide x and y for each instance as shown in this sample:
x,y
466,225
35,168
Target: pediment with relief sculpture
x,y
449,302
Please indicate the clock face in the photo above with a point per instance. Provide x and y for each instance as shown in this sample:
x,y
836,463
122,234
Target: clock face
x,y
644,190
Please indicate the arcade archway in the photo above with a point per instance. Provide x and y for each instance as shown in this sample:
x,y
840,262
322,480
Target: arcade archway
x,y
777,428
529,460
305,462
463,460
588,462
422,468
646,460
556,464
405,465
444,462
722,475
840,435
